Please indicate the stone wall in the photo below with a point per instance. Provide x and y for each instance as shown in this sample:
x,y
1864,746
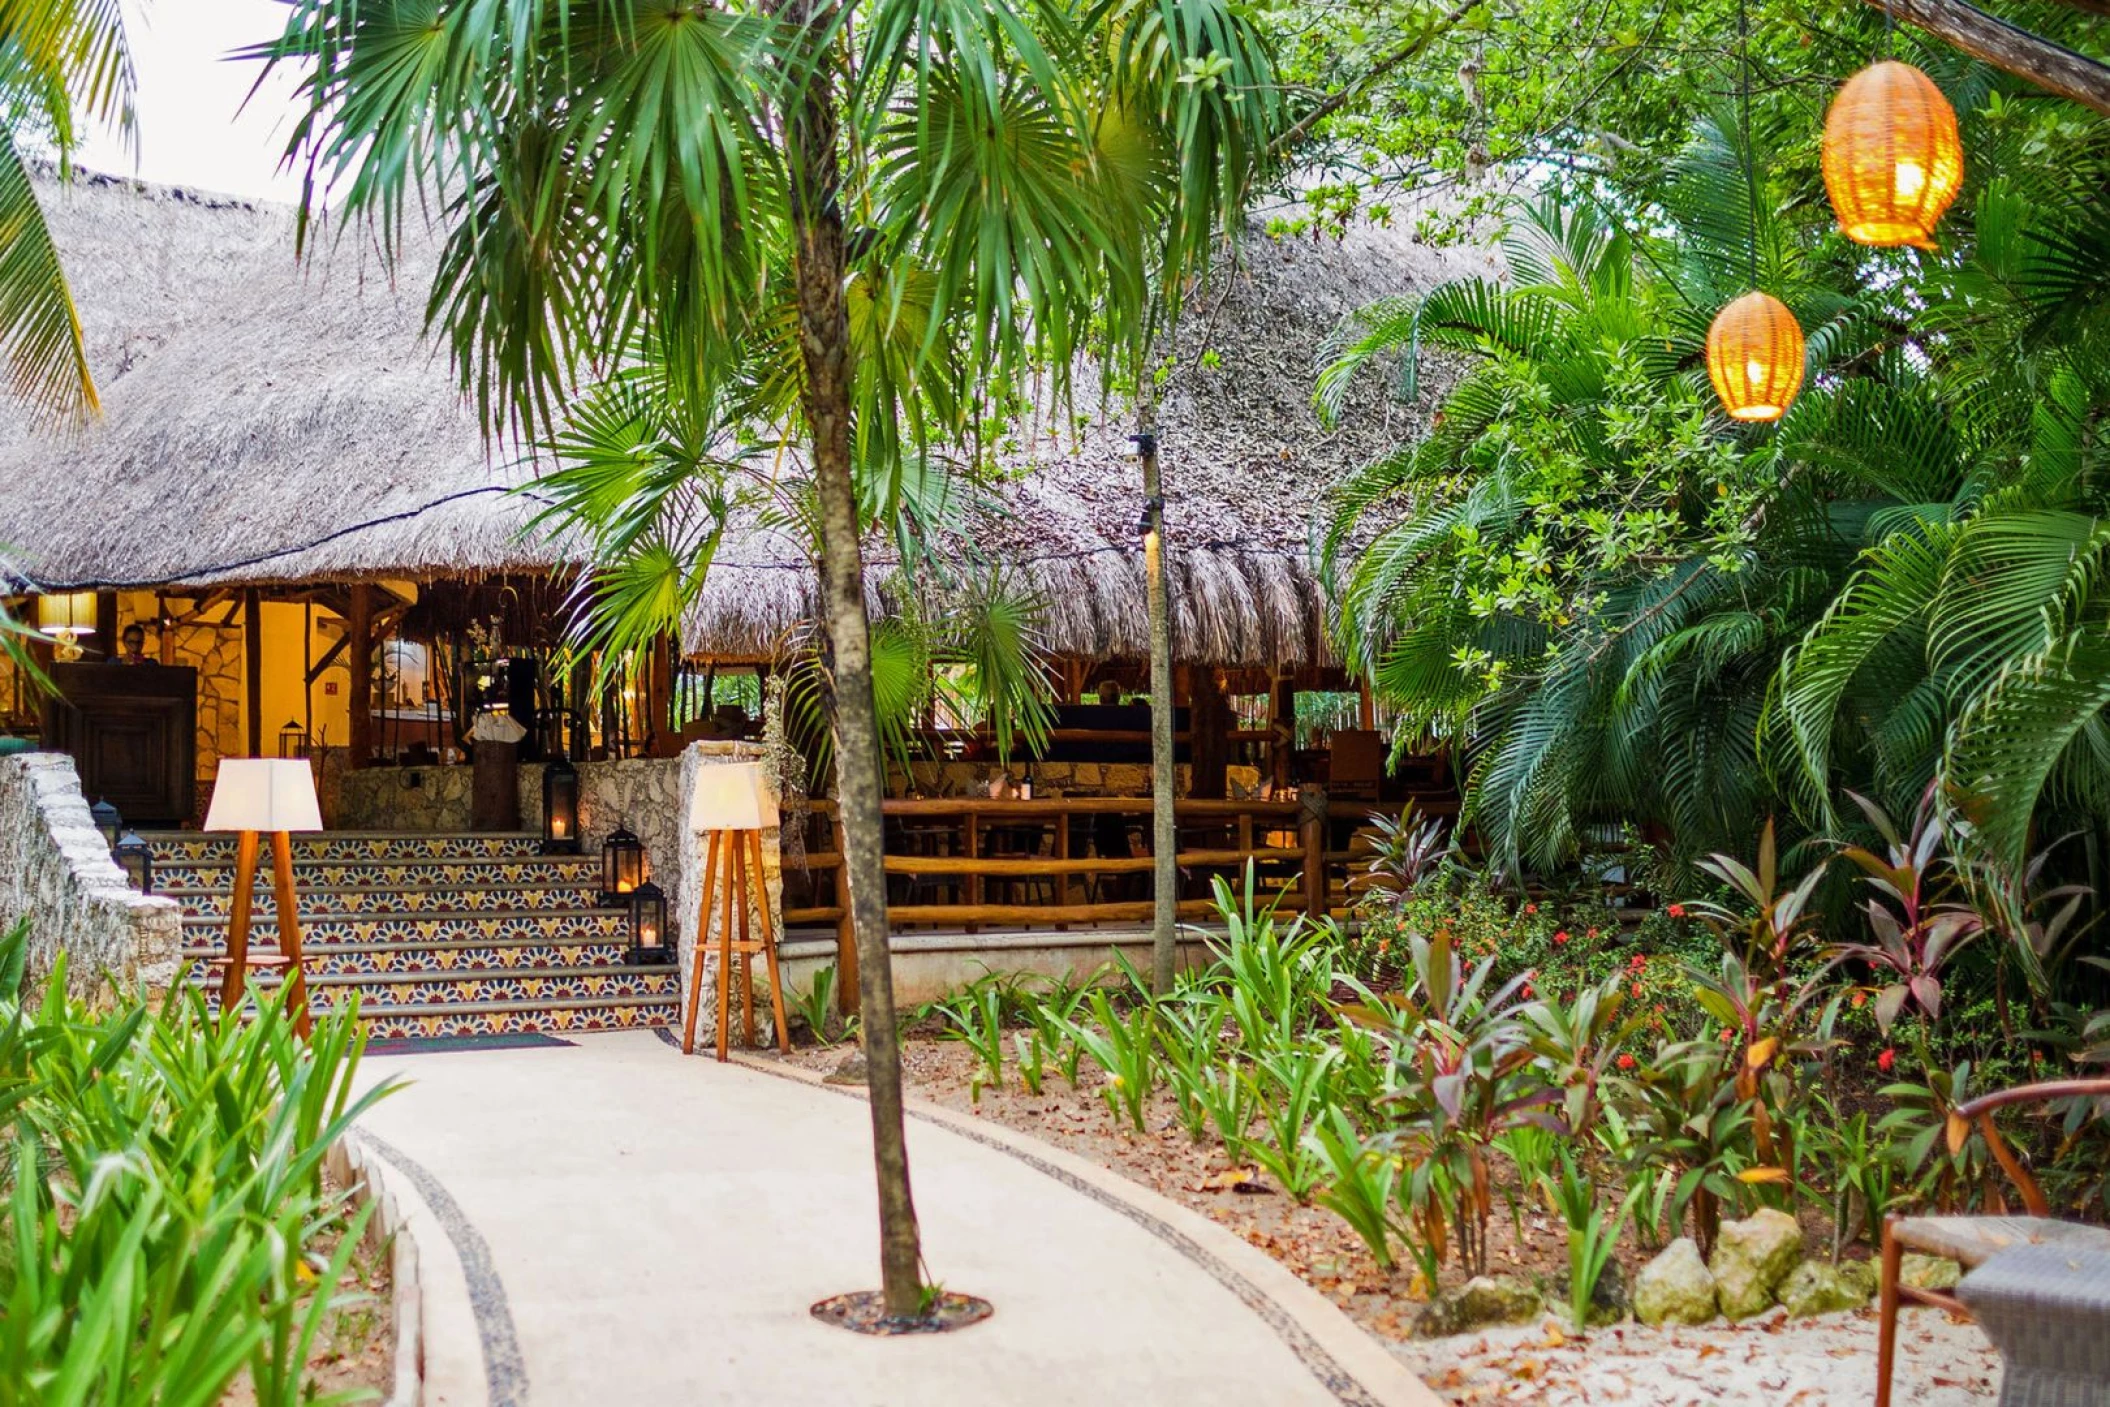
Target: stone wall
x,y
55,869
693,759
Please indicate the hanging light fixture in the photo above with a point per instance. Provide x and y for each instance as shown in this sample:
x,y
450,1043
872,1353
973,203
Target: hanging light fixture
x,y
1755,357
1754,346
1893,159
64,617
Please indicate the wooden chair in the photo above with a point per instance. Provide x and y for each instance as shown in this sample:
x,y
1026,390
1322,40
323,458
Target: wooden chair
x,y
1973,1240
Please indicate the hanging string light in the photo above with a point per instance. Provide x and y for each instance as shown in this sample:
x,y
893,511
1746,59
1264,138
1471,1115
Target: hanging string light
x,y
1893,159
1755,346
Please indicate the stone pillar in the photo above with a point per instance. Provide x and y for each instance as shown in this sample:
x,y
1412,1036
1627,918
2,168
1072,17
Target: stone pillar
x,y
687,927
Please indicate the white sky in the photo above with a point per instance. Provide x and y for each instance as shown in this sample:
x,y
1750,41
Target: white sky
x,y
194,126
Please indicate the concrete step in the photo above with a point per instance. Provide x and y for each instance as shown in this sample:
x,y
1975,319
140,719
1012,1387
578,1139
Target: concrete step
x,y
453,989
496,955
320,901
389,1020
424,930
179,877
180,846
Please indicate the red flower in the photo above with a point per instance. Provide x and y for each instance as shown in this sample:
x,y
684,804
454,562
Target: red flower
x,y
1676,911
1591,934
1638,961
1886,1060
1626,1061
1527,991
1560,935
1637,989
1531,908
1860,1000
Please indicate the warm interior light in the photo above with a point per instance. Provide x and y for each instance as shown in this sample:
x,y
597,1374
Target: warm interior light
x,y
1910,180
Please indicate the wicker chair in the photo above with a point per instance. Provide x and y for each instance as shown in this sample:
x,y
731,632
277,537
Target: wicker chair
x,y
1973,1240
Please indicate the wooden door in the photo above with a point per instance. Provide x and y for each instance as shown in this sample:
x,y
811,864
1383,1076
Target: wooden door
x,y
133,733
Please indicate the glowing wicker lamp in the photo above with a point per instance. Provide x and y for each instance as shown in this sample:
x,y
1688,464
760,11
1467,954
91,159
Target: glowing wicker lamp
x,y
1892,157
253,796
1755,357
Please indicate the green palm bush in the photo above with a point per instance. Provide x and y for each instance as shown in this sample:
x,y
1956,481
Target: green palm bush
x,y
165,1213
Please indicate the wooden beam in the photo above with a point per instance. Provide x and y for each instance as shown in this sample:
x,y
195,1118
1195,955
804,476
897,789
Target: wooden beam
x,y
2050,66
359,633
253,667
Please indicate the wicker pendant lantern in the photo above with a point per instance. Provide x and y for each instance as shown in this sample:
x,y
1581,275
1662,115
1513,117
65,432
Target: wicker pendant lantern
x,y
1755,357
1893,159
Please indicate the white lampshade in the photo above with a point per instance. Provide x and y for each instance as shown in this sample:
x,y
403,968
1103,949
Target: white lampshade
x,y
264,794
66,613
731,796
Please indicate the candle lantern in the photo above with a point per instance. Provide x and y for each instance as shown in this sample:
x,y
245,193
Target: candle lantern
x,y
622,866
650,943
560,808
136,858
292,740
107,821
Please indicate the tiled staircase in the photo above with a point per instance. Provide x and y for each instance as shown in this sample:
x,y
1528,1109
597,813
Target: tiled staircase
x,y
438,935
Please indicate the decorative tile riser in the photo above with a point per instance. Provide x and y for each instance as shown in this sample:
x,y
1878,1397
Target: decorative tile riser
x,y
456,991
506,958
348,846
455,928
323,903
494,1023
180,879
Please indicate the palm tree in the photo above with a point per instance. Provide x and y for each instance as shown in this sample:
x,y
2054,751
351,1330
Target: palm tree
x,y
62,62
900,215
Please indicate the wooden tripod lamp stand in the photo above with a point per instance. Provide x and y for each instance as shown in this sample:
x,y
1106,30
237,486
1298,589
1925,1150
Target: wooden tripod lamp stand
x,y
732,805
253,796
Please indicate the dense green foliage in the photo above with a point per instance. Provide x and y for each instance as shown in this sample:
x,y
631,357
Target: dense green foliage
x,y
1630,610
166,1230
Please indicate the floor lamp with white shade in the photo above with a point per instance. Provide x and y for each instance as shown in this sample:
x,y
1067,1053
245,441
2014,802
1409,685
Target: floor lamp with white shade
x,y
255,796
732,805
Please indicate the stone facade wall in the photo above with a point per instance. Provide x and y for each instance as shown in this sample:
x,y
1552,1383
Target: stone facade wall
x,y
56,870
693,759
216,653
409,799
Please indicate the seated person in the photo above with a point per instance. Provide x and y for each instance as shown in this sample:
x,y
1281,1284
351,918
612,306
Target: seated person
x,y
132,647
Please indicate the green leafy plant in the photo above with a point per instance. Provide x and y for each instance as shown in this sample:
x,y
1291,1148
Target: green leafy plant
x,y
975,1017
1291,1087
1125,1051
1591,1236
1361,1181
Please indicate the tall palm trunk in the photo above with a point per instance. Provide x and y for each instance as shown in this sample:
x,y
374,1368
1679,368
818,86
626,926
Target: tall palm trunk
x,y
1164,828
824,344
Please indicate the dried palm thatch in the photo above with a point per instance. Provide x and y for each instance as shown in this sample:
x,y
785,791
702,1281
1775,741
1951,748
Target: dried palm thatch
x,y
271,422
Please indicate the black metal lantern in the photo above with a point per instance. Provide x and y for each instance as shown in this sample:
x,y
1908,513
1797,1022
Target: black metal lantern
x,y
560,808
292,739
651,945
622,866
107,821
136,858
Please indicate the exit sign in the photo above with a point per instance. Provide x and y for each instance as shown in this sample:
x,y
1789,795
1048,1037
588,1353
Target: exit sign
x,y
329,686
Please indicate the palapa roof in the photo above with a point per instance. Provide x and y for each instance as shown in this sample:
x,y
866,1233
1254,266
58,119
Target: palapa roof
x,y
267,421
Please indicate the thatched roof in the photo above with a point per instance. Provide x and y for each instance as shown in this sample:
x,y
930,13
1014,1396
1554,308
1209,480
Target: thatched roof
x,y
265,421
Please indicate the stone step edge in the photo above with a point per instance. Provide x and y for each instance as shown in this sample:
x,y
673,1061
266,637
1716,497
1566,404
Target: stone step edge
x,y
298,836
267,978
436,945
378,1010
266,888
424,916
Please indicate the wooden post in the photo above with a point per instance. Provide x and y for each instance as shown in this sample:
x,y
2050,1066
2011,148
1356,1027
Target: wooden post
x,y
238,922
1282,729
289,929
1062,852
106,623
253,667
1208,719
359,661
973,848
845,928
1313,826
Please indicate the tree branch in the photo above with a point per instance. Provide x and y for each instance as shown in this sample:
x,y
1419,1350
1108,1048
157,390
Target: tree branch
x,y
1349,92
2050,66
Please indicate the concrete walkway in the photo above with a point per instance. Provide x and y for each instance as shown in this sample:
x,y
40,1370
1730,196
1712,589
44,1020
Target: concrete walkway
x,y
617,1224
